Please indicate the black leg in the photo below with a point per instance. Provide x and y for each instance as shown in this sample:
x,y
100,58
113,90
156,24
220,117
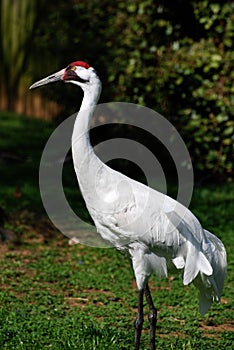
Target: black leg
x,y
152,317
139,320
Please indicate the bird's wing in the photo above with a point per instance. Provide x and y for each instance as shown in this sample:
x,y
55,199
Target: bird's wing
x,y
195,258
128,211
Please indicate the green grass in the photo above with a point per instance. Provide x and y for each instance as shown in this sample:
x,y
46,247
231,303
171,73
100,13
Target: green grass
x,y
59,296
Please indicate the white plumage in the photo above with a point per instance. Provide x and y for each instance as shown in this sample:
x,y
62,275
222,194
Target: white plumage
x,y
155,231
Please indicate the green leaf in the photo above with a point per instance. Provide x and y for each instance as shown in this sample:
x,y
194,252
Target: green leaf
x,y
215,8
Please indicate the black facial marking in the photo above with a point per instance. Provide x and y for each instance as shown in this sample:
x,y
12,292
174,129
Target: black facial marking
x,y
71,75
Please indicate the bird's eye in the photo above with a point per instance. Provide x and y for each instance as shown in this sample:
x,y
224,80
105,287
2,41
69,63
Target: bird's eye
x,y
71,68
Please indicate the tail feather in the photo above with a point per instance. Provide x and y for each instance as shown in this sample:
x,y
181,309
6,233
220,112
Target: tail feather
x,y
204,265
210,286
204,303
209,292
199,263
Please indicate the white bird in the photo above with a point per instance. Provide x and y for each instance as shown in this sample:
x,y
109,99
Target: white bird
x,y
156,232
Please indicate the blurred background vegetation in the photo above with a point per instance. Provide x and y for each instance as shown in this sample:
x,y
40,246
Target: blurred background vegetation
x,y
173,56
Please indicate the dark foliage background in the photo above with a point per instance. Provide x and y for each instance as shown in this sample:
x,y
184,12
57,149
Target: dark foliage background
x,y
173,56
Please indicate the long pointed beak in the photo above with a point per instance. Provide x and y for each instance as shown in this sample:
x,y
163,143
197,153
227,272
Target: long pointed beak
x,y
50,79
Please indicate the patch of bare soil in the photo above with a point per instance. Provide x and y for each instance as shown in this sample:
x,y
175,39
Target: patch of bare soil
x,y
174,334
90,297
212,330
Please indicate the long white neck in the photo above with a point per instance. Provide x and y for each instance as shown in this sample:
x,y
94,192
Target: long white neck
x,y
84,159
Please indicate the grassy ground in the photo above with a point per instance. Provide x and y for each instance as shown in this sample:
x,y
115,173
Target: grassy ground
x,y
59,296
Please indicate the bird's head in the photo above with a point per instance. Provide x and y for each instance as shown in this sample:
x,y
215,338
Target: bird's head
x,y
78,73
